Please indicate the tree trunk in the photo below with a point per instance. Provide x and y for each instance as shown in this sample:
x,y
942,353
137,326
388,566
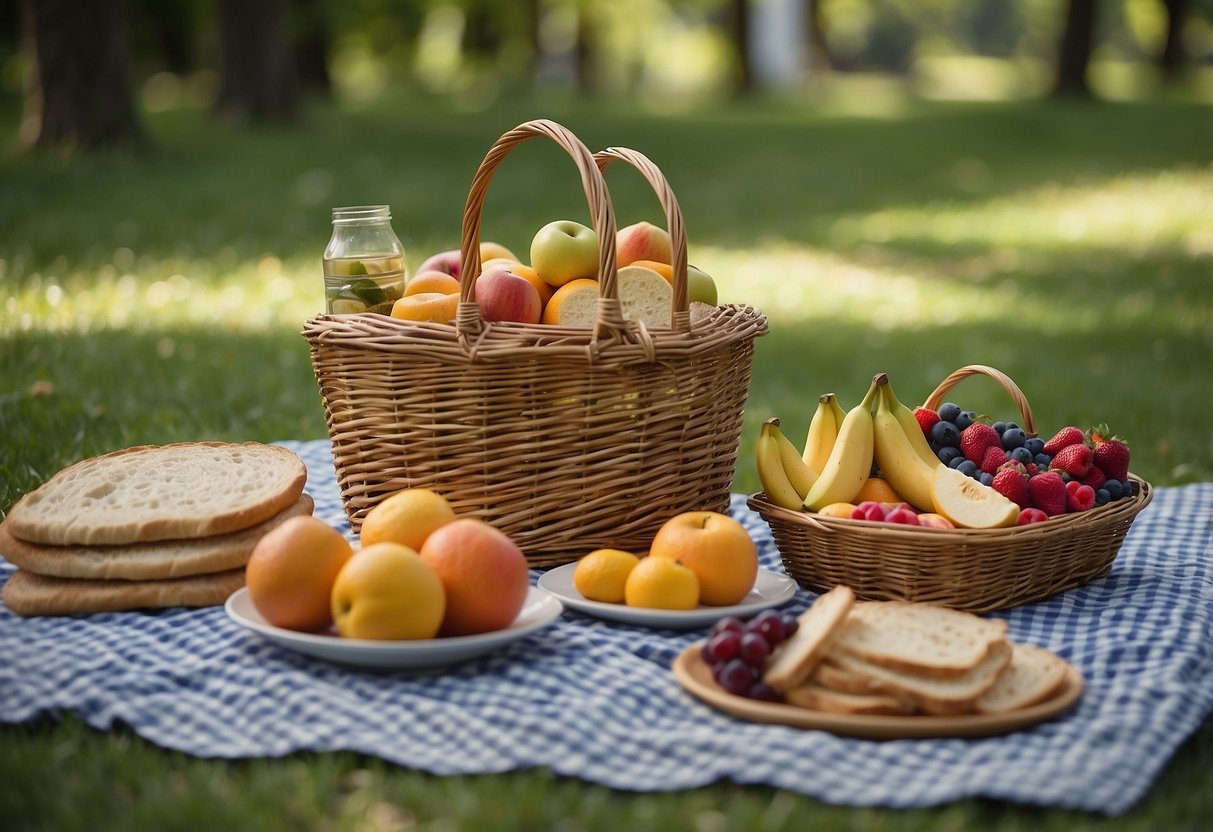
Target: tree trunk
x,y
586,51
79,89
258,82
1074,54
739,32
820,59
1173,58
312,47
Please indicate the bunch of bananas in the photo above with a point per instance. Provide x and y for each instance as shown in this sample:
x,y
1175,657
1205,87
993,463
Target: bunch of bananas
x,y
840,449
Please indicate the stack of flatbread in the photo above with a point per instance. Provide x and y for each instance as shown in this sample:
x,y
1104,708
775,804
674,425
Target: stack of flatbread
x,y
892,657
149,526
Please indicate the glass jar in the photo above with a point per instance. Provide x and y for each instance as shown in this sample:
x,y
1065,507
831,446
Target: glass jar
x,y
364,263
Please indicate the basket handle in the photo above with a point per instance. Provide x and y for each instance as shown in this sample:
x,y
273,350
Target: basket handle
x,y
680,311
934,400
610,312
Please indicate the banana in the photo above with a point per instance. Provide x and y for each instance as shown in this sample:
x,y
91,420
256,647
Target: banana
x,y
823,430
799,473
771,474
913,430
850,460
900,465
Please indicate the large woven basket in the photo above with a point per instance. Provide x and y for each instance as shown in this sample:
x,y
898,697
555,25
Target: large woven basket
x,y
979,570
565,439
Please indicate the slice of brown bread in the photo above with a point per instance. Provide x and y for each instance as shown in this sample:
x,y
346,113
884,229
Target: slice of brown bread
x,y
28,593
145,561
160,492
917,637
810,694
1033,676
932,693
797,656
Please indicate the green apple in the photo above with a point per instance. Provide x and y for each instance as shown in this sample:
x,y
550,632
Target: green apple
x,y
700,286
564,250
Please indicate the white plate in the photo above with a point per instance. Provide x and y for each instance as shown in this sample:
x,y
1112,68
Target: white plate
x,y
770,590
539,610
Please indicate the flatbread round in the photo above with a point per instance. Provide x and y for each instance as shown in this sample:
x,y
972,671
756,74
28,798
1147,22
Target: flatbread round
x,y
28,593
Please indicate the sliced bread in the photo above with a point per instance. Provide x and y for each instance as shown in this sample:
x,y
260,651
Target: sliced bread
x,y
644,296
817,625
921,638
28,593
155,560
160,492
1033,675
810,694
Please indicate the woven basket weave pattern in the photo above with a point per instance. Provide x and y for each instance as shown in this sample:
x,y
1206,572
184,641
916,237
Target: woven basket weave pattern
x,y
566,439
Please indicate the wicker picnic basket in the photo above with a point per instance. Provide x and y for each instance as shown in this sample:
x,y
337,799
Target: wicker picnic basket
x,y
979,570
566,439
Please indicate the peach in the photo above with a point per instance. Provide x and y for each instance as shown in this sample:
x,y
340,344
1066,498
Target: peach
x,y
934,521
446,262
840,510
484,573
642,241
505,296
426,306
431,281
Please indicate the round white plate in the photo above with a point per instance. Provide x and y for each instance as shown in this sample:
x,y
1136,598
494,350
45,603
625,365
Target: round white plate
x,y
539,610
770,590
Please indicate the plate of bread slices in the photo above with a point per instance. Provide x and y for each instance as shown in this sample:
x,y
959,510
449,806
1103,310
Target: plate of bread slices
x,y
894,670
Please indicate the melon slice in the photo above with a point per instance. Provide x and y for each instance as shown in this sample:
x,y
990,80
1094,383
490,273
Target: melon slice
x,y
968,503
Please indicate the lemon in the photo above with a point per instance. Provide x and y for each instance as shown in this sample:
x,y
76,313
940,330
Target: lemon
x,y
601,575
661,583
968,503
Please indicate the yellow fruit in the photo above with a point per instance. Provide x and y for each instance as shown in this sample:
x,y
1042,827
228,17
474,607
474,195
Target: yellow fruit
x,y
386,592
968,503
291,571
716,548
406,517
602,574
661,583
842,510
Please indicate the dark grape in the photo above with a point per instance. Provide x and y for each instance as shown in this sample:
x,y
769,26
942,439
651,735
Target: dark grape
x,y
1036,445
769,625
763,692
735,677
948,412
730,623
1013,438
754,650
1021,455
945,434
964,419
946,455
721,647
790,625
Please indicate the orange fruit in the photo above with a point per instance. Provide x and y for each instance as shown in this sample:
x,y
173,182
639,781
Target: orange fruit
x,y
291,571
406,517
663,269
602,574
490,250
484,573
878,491
387,592
716,548
431,281
427,306
663,584
573,304
842,510
968,503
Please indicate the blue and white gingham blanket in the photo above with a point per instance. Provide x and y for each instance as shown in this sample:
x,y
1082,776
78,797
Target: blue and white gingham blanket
x,y
597,701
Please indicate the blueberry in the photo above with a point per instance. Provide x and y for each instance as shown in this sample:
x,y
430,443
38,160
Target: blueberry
x,y
946,455
1036,445
1114,488
956,461
986,478
1065,476
968,467
999,427
1021,455
1013,438
1127,488
1010,425
945,434
1102,496
948,412
1042,461
965,418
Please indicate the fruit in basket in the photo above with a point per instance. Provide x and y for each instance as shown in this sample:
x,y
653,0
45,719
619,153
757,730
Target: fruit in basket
x,y
701,286
602,574
1031,515
663,584
407,517
526,273
1064,438
1079,496
898,458
716,548
850,460
976,439
387,592
490,250
504,296
1047,491
564,250
484,573
573,303
426,306
291,570
877,489
1011,481
933,520
431,281
446,262
785,476
840,510
968,503
642,241
823,430
1111,454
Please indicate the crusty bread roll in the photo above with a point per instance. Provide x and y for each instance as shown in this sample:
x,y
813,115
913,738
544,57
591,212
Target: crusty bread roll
x,y
160,492
154,560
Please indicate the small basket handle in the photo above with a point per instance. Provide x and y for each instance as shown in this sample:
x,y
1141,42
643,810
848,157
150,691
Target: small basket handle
x,y
680,312
610,313
934,400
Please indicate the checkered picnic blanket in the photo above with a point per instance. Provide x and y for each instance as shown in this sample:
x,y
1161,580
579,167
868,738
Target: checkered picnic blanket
x,y
597,701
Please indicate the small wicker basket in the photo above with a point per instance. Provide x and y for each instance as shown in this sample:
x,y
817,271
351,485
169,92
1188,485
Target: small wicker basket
x,y
978,570
566,439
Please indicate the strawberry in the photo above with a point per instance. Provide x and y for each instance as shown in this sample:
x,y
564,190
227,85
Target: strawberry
x,y
993,459
1048,493
1012,482
976,438
1111,454
1075,460
1064,438
1079,497
927,419
1095,477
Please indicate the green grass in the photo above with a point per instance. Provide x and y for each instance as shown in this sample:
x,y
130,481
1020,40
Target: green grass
x,y
160,299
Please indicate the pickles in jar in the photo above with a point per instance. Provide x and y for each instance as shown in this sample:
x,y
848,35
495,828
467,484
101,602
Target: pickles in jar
x,y
363,284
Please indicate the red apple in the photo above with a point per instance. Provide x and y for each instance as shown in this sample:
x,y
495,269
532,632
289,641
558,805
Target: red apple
x,y
484,573
505,296
903,515
446,262
642,241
